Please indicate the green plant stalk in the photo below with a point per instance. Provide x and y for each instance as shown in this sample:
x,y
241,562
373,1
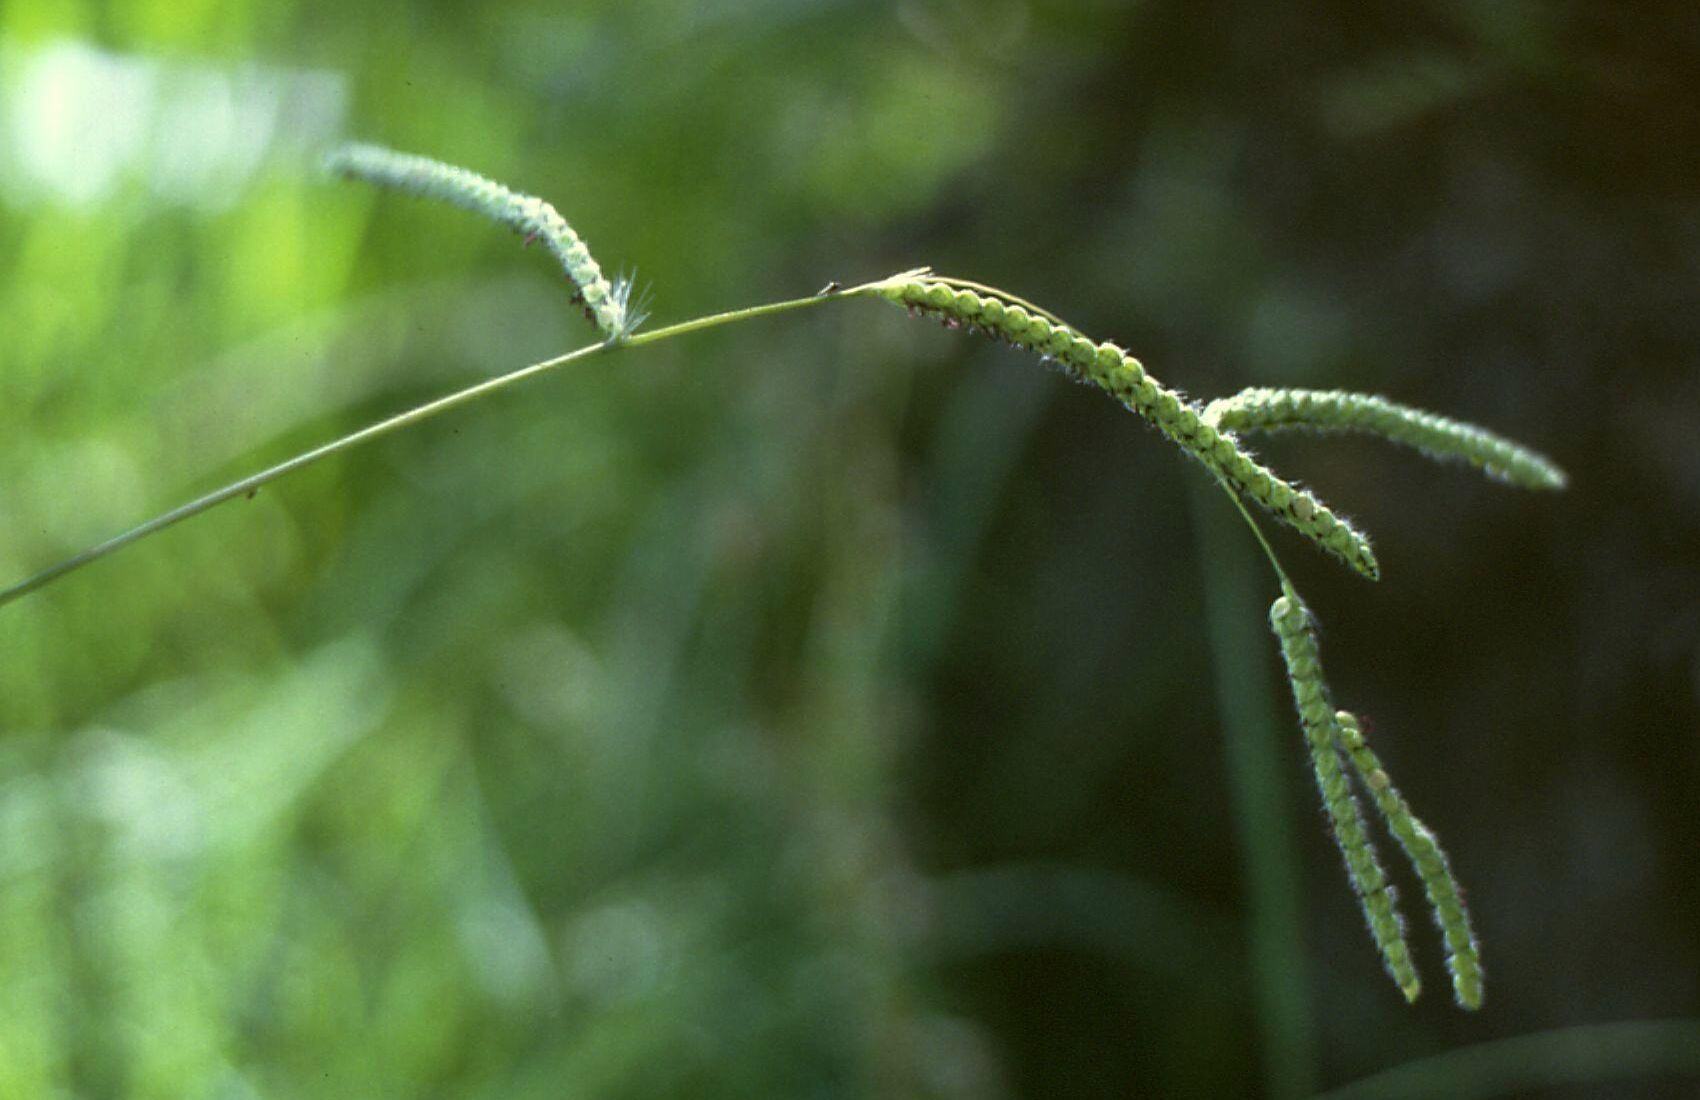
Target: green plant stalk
x,y
416,415
1261,802
882,288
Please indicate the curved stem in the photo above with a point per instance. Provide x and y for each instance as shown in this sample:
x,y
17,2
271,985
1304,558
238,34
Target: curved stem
x,y
456,399
1246,702
1268,551
396,423
733,315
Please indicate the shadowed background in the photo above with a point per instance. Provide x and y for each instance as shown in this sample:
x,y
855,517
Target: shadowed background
x,y
827,706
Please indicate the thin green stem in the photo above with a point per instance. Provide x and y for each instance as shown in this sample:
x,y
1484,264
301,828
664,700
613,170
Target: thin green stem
x,y
684,328
395,423
1262,801
1268,551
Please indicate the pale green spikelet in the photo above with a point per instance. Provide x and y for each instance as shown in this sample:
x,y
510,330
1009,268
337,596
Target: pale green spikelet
x,y
1440,437
1292,625
969,305
1463,955
606,304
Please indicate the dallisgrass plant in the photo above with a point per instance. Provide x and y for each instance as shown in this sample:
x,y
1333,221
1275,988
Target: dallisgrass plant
x,y
606,304
1343,763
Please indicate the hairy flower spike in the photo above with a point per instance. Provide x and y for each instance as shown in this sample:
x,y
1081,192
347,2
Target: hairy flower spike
x,y
606,304
1123,377
1434,435
1291,622
1463,955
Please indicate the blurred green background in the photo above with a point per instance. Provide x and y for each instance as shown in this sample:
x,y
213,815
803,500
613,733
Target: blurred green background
x,y
829,706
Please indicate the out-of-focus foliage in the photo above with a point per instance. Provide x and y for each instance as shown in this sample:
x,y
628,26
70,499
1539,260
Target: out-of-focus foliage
x,y
819,707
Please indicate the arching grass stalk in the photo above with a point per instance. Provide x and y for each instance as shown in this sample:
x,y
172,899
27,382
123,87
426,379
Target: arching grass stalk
x,y
416,415
1203,433
1160,405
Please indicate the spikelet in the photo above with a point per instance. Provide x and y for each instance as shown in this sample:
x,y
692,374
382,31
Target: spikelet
x,y
1463,955
969,305
605,304
1437,436
1292,625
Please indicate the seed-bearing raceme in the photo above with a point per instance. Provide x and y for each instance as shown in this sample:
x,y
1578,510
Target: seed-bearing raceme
x,y
1437,436
1291,621
963,304
1463,956
606,304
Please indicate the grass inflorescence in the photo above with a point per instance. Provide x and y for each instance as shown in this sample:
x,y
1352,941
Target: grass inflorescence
x,y
1123,377
606,304
1292,624
1445,896
1339,755
1441,437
